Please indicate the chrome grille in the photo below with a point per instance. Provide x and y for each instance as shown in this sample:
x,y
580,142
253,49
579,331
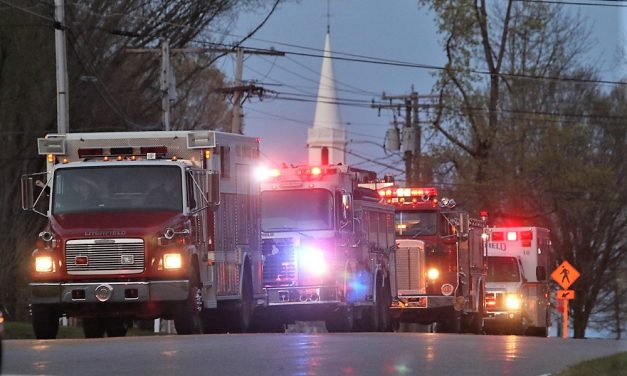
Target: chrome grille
x,y
104,256
279,268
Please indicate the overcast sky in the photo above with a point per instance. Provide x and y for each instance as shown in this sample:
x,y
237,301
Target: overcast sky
x,y
396,30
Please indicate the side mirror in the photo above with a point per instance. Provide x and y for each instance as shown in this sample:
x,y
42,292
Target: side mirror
x,y
541,273
27,193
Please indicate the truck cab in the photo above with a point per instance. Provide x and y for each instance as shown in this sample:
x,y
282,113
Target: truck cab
x,y
137,229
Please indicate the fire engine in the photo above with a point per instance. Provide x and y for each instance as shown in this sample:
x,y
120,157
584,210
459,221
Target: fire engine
x,y
440,262
517,289
145,225
328,247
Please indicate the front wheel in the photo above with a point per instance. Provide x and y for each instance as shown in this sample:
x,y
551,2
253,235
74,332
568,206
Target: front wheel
x,y
94,327
450,324
116,327
244,308
384,301
45,321
187,314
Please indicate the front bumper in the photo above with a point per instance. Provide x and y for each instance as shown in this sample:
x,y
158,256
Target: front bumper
x,y
422,309
301,295
502,317
114,292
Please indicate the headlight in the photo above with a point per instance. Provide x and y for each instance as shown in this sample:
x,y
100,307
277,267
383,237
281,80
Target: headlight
x,y
172,261
433,273
312,259
44,264
512,302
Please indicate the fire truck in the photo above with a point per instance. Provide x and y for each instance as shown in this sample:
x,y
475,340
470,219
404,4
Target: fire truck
x,y
145,225
328,248
440,262
517,289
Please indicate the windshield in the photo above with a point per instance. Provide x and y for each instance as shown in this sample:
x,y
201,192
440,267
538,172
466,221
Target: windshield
x,y
412,223
90,189
503,269
295,210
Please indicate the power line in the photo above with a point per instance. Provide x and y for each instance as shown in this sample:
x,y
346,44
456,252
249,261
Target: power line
x,y
361,58
607,3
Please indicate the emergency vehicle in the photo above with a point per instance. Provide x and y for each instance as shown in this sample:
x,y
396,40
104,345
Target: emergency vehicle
x,y
517,288
328,247
440,262
145,225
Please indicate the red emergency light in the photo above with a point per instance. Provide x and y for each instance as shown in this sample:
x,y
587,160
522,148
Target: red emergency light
x,y
498,236
159,151
90,152
312,172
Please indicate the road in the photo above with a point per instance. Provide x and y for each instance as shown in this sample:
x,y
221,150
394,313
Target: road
x,y
303,354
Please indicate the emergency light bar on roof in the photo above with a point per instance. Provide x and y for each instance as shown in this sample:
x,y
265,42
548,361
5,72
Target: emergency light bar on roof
x,y
525,236
158,151
409,195
422,193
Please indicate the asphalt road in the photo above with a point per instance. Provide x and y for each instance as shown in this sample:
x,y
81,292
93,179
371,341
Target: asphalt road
x,y
303,354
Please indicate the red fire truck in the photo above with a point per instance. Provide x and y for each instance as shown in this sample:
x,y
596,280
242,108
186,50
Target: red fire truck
x,y
328,248
440,262
145,225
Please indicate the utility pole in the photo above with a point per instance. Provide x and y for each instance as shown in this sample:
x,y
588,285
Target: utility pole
x,y
411,132
61,62
166,93
167,87
236,121
239,89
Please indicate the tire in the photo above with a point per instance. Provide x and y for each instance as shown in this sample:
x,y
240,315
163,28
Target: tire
x,y
384,320
187,313
242,318
450,324
94,327
476,321
45,321
340,320
116,327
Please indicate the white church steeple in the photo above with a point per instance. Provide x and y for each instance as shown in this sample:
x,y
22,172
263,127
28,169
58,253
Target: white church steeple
x,y
326,140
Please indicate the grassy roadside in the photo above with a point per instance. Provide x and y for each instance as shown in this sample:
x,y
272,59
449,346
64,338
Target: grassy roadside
x,y
24,330
608,366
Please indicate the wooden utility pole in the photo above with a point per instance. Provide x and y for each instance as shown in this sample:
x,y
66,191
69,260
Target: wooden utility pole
x,y
411,132
238,90
61,63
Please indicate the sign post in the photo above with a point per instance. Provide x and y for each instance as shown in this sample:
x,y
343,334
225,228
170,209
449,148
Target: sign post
x,y
565,275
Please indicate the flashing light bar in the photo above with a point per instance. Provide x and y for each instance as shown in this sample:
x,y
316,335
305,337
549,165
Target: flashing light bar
x,y
524,236
409,192
121,152
316,171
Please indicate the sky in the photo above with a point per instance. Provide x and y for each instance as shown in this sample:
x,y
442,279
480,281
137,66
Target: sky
x,y
393,29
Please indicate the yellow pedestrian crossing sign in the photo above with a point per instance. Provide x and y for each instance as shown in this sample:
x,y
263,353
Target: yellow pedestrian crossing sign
x,y
565,275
